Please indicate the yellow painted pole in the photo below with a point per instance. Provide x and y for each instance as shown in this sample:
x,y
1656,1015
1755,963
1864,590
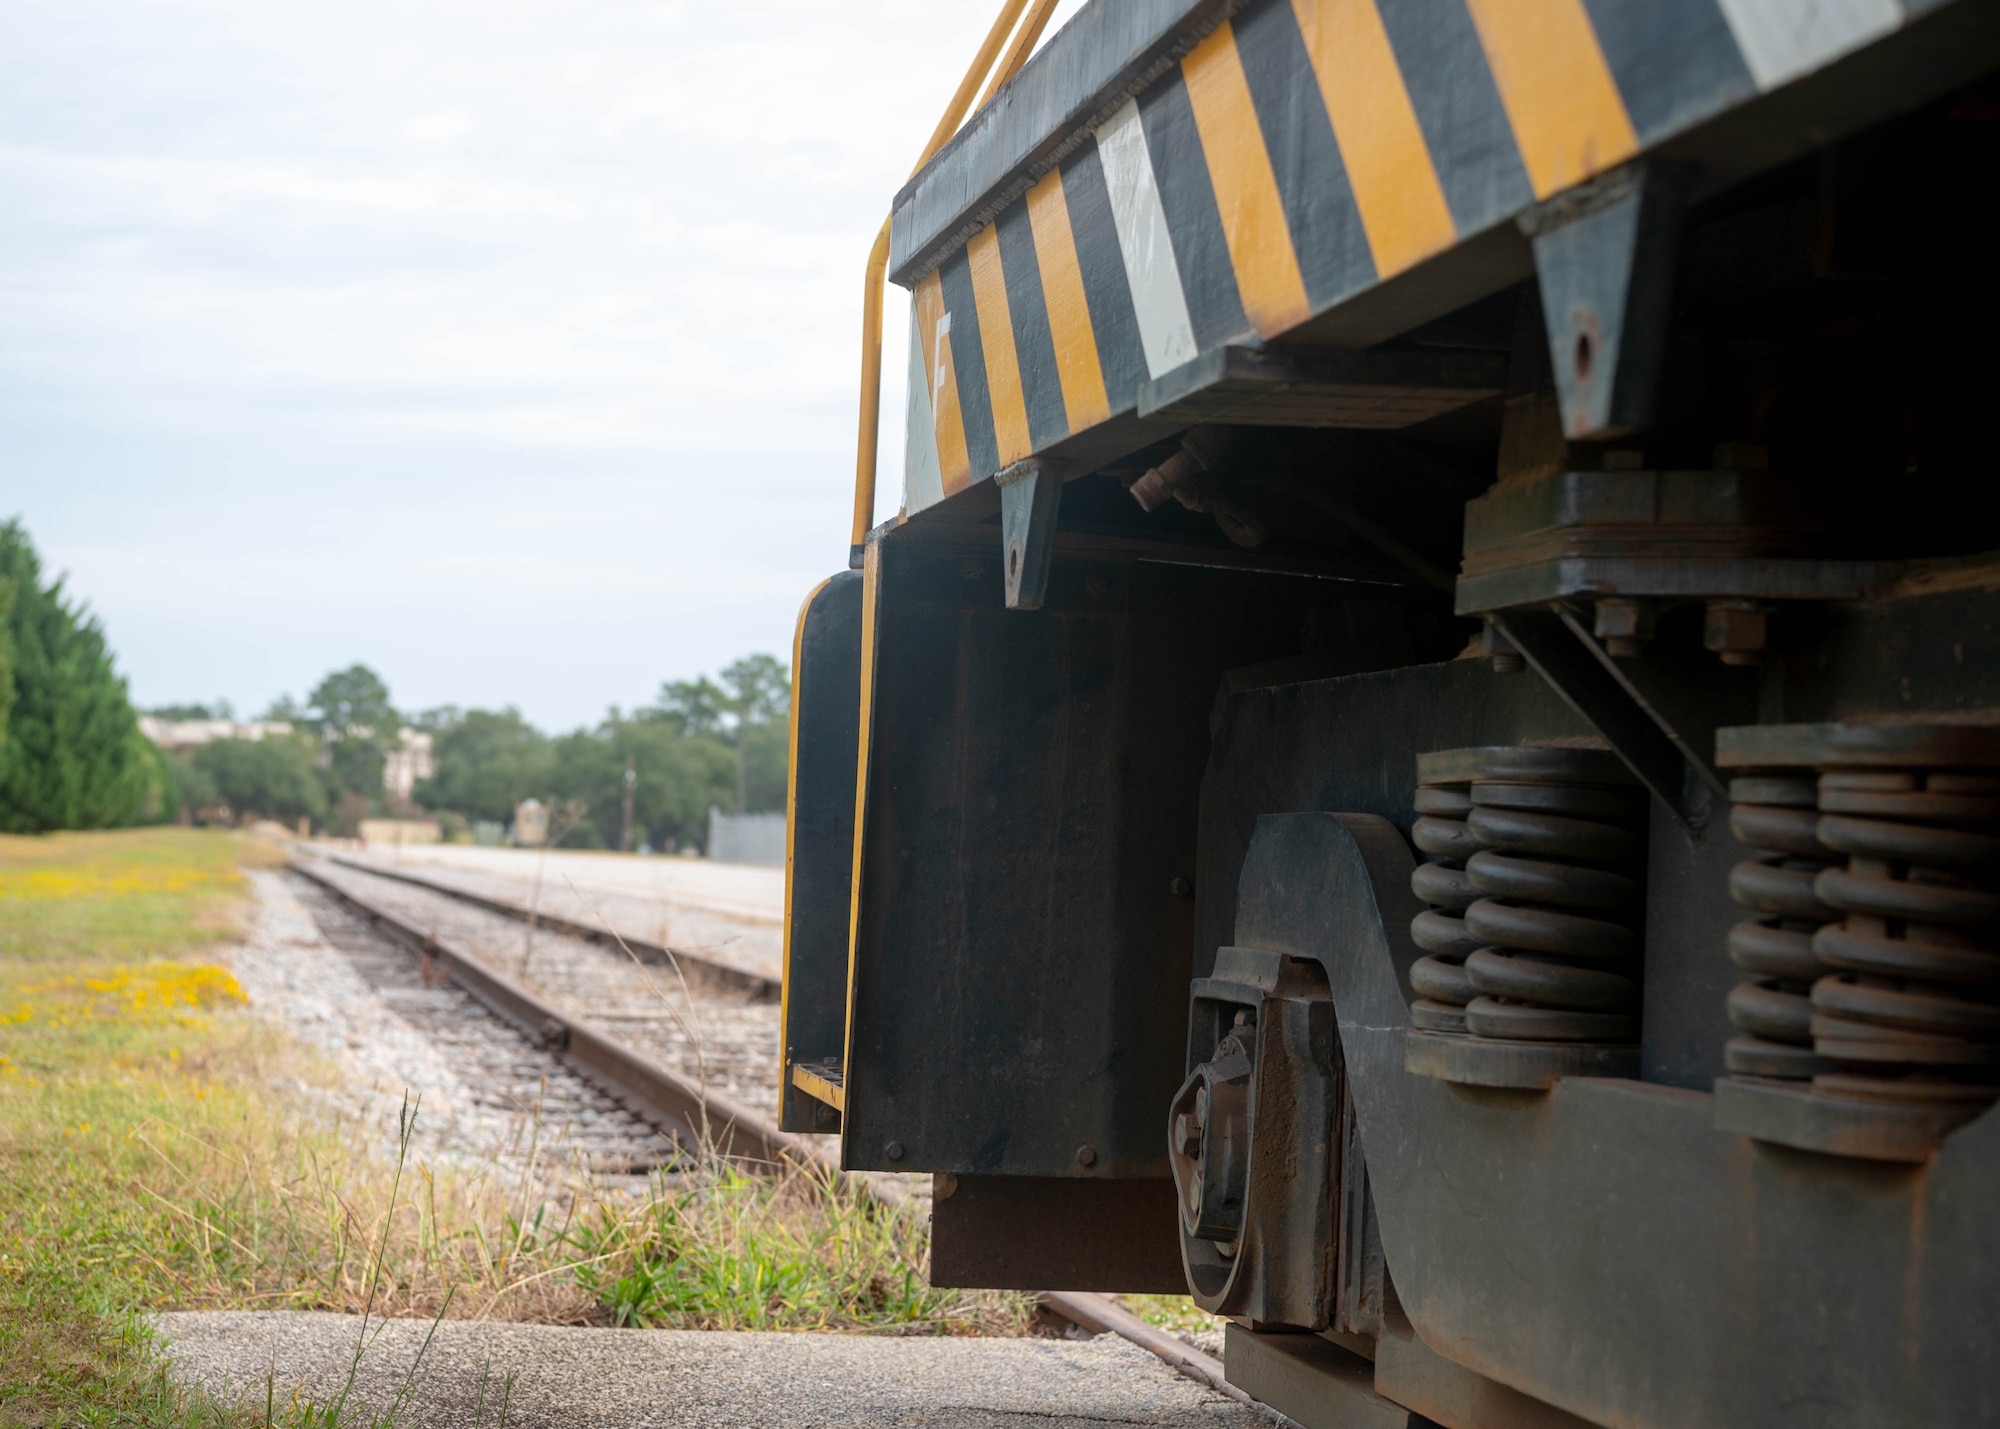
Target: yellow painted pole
x,y
875,276
871,394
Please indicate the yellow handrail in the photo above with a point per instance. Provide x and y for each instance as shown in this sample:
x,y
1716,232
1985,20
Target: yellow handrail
x,y
876,273
1017,53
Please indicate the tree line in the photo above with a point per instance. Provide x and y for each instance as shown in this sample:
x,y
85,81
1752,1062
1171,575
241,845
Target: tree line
x,y
72,754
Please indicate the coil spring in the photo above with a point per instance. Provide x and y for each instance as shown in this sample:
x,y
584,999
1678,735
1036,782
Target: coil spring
x,y
1910,1009
1776,814
1439,976
1530,934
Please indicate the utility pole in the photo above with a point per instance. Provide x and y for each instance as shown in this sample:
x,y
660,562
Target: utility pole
x,y
631,784
742,726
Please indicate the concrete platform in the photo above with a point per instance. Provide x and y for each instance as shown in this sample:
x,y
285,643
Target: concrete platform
x,y
732,913
631,1379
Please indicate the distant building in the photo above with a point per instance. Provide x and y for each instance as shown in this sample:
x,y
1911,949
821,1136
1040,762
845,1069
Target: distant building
x,y
404,765
408,761
177,736
400,831
531,824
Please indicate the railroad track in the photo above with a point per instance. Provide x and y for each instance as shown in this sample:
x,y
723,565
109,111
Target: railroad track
x,y
662,1097
702,973
681,1106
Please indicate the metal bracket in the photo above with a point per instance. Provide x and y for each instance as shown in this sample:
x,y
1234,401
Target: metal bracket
x,y
1664,728
1604,252
1030,491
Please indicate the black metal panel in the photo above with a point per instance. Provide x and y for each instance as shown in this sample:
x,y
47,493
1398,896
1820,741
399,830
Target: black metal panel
x,y
826,731
1022,955
1932,647
1055,1232
1602,1246
1688,916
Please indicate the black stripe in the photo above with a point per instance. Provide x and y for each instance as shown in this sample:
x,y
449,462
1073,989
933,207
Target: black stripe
x,y
1675,64
968,365
1180,171
1120,354
1034,346
1327,234
1459,110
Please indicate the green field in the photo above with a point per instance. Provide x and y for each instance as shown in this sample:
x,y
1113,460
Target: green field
x,y
147,1163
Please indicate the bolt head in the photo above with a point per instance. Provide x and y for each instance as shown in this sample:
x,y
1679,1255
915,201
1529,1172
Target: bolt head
x,y
1180,886
894,1151
1187,1136
1737,630
1086,1155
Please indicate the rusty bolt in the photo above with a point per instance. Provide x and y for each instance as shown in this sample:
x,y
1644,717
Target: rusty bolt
x,y
1737,630
1506,659
1187,1136
1625,625
1086,1155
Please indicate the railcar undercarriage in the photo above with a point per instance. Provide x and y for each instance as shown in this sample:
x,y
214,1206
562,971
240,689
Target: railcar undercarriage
x,y
1462,830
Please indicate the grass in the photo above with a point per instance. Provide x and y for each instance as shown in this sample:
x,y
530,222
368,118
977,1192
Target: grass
x,y
160,1148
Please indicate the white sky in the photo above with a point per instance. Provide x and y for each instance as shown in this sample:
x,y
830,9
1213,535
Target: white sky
x,y
507,347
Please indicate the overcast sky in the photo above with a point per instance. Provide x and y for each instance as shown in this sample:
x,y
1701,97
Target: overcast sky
x,y
507,347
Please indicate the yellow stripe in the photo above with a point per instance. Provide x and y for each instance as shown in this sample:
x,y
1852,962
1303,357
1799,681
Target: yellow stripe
x,y
1077,367
1569,119
871,590
792,817
1388,166
947,423
996,339
1246,192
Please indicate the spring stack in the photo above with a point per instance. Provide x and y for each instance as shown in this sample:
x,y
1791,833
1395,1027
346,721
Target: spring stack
x,y
1909,1010
1776,813
1559,870
1536,892
1444,799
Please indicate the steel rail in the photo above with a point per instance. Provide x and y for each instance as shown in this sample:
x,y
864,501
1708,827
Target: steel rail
x,y
691,1114
696,1117
702,972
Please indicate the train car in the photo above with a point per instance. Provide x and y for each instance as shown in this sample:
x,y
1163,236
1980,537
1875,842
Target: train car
x,y
1421,762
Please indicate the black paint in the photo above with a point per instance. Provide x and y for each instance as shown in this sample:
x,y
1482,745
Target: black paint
x,y
1034,346
1120,354
1674,64
1180,172
1458,108
1327,233
826,716
968,365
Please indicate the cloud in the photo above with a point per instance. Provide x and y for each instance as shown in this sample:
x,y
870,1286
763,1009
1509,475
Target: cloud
x,y
509,346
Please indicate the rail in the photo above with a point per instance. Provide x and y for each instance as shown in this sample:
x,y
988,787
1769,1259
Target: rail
x,y
707,974
696,1116
692,1114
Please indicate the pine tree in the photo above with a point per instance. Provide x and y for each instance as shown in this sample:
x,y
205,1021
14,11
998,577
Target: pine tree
x,y
73,757
6,663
